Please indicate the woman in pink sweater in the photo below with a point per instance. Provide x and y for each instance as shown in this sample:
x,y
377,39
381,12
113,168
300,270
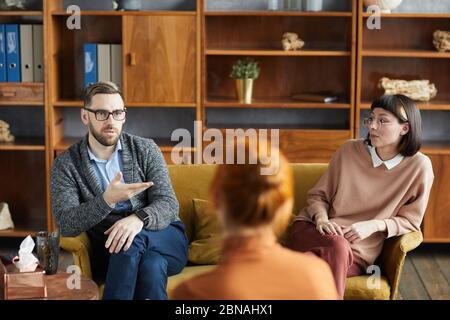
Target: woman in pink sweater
x,y
374,189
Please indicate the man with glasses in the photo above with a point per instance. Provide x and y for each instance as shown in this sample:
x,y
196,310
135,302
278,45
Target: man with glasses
x,y
115,186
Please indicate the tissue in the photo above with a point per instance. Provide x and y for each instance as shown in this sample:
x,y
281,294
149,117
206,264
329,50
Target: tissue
x,y
26,261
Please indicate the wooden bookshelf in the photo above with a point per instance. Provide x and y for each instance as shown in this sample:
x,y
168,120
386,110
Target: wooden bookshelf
x,y
257,34
403,49
23,162
182,61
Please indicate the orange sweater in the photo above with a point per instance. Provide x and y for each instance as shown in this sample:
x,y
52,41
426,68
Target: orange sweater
x,y
262,270
352,190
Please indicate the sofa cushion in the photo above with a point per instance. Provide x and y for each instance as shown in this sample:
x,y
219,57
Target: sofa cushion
x,y
206,245
356,289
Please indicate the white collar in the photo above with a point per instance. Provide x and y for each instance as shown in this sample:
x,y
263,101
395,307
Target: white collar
x,y
377,161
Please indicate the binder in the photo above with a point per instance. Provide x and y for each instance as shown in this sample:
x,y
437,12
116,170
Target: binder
x,y
26,52
38,54
104,62
2,54
90,64
116,64
12,52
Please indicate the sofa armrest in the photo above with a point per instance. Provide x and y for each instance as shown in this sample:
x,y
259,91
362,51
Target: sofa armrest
x,y
80,247
393,256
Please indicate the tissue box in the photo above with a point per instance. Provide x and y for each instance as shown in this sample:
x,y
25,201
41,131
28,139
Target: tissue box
x,y
21,285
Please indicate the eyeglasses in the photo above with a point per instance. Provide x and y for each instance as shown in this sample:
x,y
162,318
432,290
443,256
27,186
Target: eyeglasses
x,y
380,122
103,115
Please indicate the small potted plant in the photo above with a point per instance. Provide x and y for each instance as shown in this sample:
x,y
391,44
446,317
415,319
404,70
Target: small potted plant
x,y
245,72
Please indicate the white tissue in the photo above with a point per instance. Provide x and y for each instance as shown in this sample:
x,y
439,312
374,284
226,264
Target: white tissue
x,y
26,261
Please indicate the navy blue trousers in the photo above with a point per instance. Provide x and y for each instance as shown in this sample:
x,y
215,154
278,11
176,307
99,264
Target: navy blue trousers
x,y
141,272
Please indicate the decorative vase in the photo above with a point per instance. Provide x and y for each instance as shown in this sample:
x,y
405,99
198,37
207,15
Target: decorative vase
x,y
385,5
129,5
244,88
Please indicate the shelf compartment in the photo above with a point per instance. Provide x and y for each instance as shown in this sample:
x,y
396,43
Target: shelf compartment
x,y
27,125
157,123
23,188
24,144
275,52
315,119
67,54
434,70
281,77
22,93
273,103
252,34
306,146
412,34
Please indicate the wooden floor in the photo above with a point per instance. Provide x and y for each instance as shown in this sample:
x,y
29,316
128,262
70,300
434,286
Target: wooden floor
x,y
426,273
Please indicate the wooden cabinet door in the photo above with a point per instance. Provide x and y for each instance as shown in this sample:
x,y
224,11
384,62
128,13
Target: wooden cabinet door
x,y
160,59
437,218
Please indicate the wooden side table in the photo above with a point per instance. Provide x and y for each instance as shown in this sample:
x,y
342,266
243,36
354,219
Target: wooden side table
x,y
57,288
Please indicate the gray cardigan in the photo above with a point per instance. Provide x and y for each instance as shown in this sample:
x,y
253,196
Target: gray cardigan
x,y
77,201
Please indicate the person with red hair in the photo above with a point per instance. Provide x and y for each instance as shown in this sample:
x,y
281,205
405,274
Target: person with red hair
x,y
254,209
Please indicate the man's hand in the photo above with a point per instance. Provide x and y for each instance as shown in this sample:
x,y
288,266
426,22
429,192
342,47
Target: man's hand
x,y
118,191
326,226
361,230
122,233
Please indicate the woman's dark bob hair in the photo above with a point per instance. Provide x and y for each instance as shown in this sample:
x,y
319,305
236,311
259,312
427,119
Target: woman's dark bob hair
x,y
412,141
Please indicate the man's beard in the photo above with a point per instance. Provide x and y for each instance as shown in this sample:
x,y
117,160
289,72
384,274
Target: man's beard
x,y
102,139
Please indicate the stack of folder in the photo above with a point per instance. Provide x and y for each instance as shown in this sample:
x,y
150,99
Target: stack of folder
x,y
102,62
21,53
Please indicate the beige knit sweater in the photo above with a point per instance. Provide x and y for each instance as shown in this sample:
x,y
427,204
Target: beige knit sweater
x,y
352,190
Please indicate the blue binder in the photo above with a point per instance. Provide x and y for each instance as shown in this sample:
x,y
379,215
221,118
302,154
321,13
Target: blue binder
x,y
90,64
2,54
12,52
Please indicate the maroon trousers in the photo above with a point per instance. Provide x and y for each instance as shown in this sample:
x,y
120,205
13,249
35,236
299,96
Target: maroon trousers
x,y
334,249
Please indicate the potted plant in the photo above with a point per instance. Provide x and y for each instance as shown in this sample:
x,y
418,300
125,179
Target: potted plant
x,y
245,72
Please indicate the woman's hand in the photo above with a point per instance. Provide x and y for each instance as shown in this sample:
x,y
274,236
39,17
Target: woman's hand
x,y
326,226
362,230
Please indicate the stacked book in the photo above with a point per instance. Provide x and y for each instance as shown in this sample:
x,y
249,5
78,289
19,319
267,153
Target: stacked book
x,y
102,62
21,53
